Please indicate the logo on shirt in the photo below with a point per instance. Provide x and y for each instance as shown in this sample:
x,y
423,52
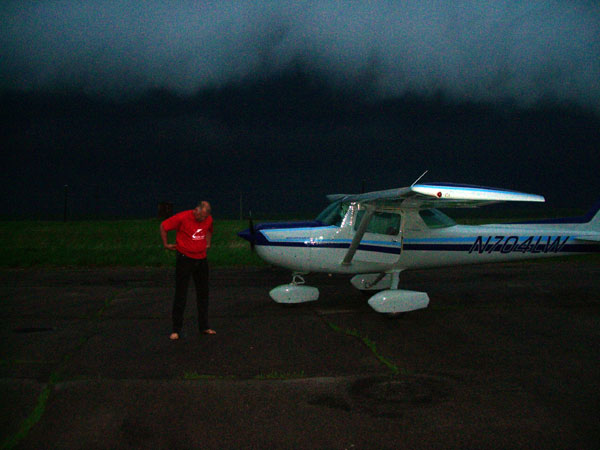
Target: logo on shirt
x,y
198,235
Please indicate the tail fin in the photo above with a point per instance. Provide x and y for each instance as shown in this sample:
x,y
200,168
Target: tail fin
x,y
592,218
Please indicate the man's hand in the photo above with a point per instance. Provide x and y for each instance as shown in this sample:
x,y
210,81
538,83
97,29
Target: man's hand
x,y
163,236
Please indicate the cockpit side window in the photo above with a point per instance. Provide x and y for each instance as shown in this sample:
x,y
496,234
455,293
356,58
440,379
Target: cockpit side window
x,y
381,223
434,218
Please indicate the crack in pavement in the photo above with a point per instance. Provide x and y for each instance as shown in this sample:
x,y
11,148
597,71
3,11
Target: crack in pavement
x,y
55,376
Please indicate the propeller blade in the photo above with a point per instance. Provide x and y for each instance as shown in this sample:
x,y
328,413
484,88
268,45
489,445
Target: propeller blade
x,y
249,234
252,231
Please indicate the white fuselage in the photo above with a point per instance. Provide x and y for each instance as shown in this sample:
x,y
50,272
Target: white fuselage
x,y
415,245
377,235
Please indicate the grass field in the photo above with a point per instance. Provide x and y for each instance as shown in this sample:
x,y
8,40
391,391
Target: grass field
x,y
118,243
110,243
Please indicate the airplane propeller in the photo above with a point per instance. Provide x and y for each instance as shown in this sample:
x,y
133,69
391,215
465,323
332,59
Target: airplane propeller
x,y
252,231
249,234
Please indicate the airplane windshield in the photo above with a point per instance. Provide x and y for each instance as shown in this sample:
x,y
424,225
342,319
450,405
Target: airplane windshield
x,y
434,218
333,214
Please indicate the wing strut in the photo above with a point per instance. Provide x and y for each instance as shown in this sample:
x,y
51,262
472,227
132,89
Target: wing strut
x,y
362,228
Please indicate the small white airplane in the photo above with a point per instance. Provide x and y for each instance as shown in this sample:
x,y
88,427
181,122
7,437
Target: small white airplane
x,y
379,234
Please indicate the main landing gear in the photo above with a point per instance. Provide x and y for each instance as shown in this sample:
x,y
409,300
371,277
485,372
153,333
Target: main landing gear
x,y
295,292
388,301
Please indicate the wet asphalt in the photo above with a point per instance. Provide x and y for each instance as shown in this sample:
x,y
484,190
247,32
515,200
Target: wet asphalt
x,y
506,356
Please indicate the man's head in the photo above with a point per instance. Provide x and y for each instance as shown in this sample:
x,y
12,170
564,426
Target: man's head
x,y
202,211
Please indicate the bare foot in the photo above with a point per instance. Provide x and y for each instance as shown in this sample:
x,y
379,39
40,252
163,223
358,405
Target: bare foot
x,y
209,331
174,336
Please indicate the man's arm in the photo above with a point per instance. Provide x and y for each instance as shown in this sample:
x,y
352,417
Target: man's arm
x,y
163,236
208,239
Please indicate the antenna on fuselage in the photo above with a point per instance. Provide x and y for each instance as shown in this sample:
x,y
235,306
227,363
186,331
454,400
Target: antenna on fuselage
x,y
417,180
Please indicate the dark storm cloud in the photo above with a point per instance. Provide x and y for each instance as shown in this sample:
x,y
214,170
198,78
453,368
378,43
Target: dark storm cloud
x,y
521,51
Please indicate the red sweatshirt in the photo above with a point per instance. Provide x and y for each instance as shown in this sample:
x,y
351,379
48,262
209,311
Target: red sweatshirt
x,y
191,234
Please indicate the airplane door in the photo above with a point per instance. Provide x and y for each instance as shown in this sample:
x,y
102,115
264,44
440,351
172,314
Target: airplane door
x,y
382,242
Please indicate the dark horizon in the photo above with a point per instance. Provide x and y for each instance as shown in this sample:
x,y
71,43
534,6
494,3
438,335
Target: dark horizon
x,y
283,144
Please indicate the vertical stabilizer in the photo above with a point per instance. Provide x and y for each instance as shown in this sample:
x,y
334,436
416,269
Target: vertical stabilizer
x,y
593,217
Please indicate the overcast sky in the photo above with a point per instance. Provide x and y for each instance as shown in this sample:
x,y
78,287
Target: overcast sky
x,y
522,51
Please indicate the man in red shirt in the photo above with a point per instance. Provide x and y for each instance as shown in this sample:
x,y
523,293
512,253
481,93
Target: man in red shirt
x,y
194,230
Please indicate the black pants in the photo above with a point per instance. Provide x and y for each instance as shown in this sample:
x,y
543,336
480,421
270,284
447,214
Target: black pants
x,y
184,269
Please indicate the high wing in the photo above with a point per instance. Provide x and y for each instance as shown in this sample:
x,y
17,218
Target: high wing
x,y
437,195
426,196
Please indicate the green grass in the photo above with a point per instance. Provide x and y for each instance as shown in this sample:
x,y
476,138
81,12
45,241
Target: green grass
x,y
119,243
199,376
268,376
31,420
110,243
370,345
55,377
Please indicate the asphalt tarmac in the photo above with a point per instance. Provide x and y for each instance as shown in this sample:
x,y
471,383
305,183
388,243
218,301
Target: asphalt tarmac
x,y
506,356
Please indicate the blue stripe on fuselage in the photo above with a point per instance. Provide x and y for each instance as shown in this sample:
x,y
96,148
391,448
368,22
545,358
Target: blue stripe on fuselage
x,y
442,244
